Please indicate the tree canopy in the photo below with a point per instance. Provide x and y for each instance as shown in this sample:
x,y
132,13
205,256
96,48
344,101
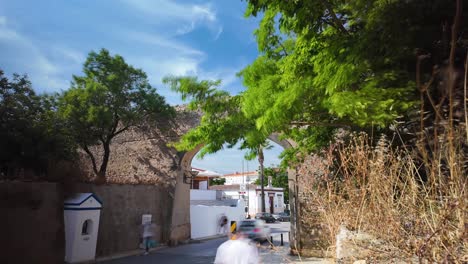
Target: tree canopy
x,y
331,63
111,97
223,121
32,136
328,64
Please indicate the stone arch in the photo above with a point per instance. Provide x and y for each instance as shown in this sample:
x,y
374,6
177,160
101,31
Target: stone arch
x,y
186,162
180,224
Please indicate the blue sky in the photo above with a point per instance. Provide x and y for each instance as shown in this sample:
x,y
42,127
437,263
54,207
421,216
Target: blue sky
x,y
50,39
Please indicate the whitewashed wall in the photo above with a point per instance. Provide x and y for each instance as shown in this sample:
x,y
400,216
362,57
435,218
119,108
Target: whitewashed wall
x,y
204,219
202,194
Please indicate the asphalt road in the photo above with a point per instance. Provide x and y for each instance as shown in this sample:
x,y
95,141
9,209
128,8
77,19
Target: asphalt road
x,y
205,251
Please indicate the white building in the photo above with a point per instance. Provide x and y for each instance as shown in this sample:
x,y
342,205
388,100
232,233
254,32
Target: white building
x,y
251,194
241,178
206,208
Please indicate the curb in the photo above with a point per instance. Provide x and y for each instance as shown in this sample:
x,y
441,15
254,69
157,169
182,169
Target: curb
x,y
203,239
130,253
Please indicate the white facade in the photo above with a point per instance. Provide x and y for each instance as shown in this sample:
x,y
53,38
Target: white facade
x,y
202,194
81,218
204,219
241,178
252,197
206,210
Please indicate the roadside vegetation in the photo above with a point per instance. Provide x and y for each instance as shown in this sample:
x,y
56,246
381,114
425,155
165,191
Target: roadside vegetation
x,y
415,205
374,95
41,136
373,92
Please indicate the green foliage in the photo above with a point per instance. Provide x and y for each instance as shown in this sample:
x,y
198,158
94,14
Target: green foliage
x,y
217,181
279,178
222,122
112,97
32,137
331,63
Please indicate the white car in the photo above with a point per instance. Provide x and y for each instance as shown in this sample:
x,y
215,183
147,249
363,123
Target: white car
x,y
255,229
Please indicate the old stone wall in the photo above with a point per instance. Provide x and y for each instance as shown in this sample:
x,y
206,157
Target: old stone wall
x,y
123,206
145,175
313,235
32,223
143,155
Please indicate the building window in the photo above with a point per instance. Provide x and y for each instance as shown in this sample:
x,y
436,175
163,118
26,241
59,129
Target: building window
x,y
87,227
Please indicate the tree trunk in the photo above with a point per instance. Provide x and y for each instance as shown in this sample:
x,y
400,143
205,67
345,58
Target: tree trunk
x,y
101,175
261,160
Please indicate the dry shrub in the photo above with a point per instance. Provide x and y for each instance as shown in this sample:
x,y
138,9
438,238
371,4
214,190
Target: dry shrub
x,y
415,199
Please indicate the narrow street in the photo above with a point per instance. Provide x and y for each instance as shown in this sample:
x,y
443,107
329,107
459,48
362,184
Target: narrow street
x,y
205,251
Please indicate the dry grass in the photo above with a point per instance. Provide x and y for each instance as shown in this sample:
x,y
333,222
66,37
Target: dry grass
x,y
413,199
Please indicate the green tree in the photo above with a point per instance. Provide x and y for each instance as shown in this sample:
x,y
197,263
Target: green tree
x,y
279,178
32,137
223,120
258,153
327,63
217,181
109,99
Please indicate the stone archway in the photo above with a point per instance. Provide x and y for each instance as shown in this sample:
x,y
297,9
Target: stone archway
x,y
180,228
142,156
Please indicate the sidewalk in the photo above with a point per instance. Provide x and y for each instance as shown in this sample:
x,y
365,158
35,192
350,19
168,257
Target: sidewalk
x,y
280,254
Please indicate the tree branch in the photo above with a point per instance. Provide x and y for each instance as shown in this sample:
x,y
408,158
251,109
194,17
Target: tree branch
x,y
91,156
304,123
284,49
452,75
121,130
114,126
466,98
335,18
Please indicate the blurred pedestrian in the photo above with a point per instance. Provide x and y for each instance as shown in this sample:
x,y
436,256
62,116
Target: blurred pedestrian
x,y
239,251
148,235
223,224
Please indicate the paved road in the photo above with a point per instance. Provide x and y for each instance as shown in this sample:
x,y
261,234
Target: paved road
x,y
198,253
205,252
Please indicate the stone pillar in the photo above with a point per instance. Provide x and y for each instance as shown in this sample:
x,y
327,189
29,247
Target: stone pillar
x,y
309,236
294,230
314,241
180,219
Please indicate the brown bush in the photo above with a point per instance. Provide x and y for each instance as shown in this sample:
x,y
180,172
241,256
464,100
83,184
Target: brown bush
x,y
417,205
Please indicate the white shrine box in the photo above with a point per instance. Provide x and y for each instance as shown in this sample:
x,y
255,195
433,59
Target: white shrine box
x,y
81,215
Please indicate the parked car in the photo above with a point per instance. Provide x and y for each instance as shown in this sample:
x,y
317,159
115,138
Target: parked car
x,y
267,217
255,229
282,217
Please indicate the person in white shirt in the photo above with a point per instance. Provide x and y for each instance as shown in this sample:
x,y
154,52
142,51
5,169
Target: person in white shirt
x,y
147,234
239,251
222,224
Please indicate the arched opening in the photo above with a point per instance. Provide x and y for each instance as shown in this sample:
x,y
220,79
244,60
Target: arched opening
x,y
188,156
181,219
87,227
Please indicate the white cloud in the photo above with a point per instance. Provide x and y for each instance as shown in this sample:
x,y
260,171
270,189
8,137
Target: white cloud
x,y
184,18
3,21
29,59
226,75
167,43
70,54
164,10
220,31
